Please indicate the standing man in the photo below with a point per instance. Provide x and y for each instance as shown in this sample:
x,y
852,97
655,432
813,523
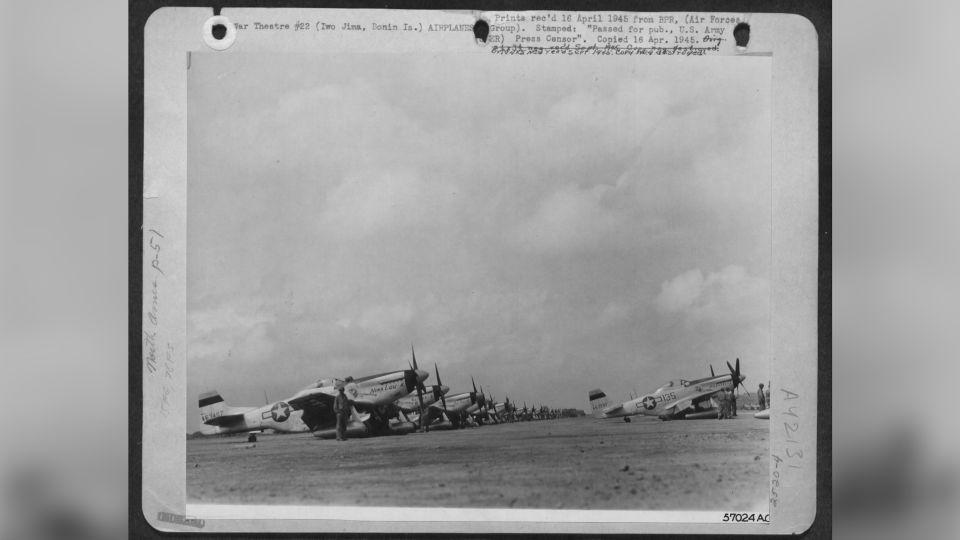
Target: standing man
x,y
761,399
341,406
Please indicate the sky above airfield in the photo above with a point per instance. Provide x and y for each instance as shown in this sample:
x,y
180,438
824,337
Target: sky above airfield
x,y
547,225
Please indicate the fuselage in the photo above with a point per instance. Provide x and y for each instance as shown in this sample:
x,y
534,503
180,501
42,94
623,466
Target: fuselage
x,y
277,416
374,390
431,396
458,403
656,403
366,392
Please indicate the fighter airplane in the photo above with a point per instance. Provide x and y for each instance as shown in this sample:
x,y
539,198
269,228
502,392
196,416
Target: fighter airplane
x,y
278,416
311,409
410,404
453,408
675,400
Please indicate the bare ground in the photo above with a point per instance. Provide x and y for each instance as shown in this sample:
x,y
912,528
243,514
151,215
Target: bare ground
x,y
570,463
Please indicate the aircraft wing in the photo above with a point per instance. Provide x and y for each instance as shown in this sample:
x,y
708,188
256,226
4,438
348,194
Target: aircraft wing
x,y
318,412
225,420
688,402
616,409
317,407
310,399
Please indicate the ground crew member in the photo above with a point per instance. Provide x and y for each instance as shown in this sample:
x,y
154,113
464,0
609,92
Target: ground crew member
x,y
341,406
761,399
769,402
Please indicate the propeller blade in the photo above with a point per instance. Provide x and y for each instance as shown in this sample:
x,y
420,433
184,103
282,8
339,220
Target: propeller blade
x,y
420,388
443,400
712,374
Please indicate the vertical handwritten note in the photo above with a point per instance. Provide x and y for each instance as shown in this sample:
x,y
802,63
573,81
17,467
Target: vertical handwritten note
x,y
158,359
792,455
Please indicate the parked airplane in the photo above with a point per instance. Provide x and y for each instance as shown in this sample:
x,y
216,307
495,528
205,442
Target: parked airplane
x,y
674,400
410,405
503,408
452,410
311,409
484,410
494,410
278,416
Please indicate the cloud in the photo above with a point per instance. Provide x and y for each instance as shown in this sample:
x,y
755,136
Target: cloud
x,y
385,320
730,294
614,313
680,292
569,219
371,202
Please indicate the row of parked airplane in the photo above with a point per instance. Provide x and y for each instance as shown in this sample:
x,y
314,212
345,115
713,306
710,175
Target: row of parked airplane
x,y
682,399
385,403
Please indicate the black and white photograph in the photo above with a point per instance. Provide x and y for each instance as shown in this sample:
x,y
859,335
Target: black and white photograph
x,y
475,281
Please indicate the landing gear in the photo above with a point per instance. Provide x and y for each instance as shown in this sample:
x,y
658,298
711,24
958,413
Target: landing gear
x,y
252,438
626,419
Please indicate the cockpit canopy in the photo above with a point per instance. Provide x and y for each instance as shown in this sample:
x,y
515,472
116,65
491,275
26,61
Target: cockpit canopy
x,y
330,382
674,384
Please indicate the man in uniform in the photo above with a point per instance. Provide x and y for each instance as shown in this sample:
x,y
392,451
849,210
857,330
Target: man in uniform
x,y
761,399
721,404
341,406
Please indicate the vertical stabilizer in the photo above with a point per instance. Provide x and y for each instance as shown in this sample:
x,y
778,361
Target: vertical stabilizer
x,y
598,401
211,406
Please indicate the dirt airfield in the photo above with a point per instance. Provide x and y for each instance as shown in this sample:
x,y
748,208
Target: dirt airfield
x,y
580,463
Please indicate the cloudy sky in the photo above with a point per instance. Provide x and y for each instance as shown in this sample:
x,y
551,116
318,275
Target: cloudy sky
x,y
548,225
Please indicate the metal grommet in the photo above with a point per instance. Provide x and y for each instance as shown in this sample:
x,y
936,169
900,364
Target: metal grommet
x,y
227,40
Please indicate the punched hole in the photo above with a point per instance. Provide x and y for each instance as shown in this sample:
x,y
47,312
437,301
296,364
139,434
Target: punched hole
x,y
481,30
741,34
219,31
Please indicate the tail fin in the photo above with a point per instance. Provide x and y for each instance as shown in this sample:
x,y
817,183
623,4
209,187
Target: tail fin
x,y
211,406
598,401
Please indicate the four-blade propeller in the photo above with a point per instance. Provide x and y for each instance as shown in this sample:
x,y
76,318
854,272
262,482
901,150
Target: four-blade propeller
x,y
735,377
